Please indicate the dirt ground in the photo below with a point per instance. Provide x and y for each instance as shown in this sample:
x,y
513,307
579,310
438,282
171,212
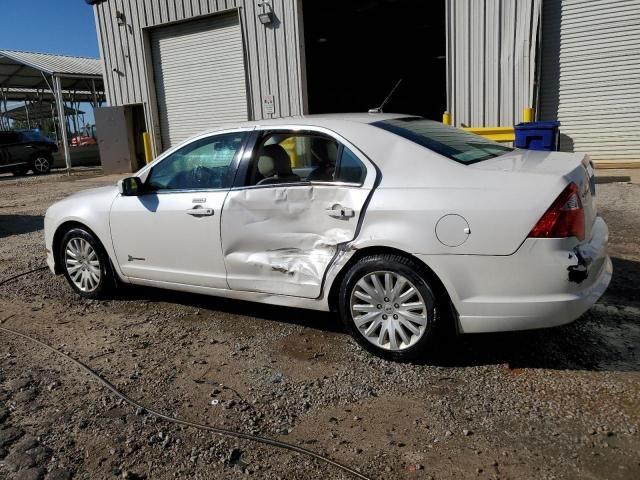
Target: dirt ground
x,y
561,403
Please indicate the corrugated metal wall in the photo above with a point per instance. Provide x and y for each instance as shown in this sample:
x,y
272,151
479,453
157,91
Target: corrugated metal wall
x,y
491,48
273,54
591,76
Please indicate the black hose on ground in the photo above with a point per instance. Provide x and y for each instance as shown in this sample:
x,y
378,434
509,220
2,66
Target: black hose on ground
x,y
137,405
15,277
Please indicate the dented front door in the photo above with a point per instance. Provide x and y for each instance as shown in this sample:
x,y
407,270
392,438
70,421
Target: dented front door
x,y
280,239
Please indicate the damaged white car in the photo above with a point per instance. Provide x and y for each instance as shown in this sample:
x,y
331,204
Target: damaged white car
x,y
397,222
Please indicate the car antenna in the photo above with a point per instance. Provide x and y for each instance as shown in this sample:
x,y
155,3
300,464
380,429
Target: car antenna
x,y
379,109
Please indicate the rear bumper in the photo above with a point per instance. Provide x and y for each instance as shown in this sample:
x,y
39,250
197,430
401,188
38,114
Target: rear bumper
x,y
546,283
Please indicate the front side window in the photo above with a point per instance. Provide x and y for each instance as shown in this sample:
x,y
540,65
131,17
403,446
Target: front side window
x,y
202,164
454,143
294,157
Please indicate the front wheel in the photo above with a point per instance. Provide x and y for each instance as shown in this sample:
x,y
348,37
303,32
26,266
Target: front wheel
x,y
85,263
388,306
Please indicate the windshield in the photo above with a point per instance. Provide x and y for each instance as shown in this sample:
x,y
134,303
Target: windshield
x,y
454,143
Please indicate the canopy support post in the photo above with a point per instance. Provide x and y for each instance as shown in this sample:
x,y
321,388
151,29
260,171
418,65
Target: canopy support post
x,y
26,111
57,90
4,120
93,92
53,121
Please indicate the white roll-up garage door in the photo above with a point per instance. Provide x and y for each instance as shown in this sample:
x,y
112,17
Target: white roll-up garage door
x,y
590,77
199,74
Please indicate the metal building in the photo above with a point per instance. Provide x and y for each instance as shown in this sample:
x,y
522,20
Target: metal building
x,y
192,64
590,77
198,63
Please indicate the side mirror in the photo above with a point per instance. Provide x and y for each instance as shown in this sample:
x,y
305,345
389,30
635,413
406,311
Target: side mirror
x,y
130,187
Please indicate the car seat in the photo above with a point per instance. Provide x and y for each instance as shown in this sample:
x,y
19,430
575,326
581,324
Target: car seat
x,y
275,166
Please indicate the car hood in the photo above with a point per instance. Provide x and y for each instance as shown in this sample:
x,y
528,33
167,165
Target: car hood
x,y
109,191
84,203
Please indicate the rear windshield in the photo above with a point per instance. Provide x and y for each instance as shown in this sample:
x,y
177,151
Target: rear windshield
x,y
454,143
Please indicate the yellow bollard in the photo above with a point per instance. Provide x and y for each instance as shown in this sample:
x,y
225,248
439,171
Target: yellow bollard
x,y
146,140
527,114
446,118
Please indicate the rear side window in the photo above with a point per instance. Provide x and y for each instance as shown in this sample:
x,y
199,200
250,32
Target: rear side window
x,y
451,142
293,157
7,138
299,157
350,169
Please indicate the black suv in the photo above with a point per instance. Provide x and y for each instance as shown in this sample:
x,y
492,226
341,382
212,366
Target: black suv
x,y
24,151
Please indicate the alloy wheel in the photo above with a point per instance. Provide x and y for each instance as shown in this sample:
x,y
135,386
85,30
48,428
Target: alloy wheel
x,y
82,264
388,310
41,165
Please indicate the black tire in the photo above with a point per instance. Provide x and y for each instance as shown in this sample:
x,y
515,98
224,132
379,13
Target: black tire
x,y
106,281
416,275
41,164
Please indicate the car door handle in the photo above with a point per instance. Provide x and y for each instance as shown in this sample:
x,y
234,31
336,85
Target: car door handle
x,y
28,146
338,211
200,212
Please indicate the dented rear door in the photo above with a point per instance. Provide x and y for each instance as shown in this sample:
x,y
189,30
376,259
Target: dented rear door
x,y
281,239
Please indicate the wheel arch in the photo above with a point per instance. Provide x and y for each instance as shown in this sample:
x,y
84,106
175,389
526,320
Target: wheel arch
x,y
440,290
62,229
42,153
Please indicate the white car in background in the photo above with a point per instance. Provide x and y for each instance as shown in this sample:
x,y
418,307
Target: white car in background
x,y
397,222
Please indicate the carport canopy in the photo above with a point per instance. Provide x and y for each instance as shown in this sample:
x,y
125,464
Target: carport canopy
x,y
38,76
37,110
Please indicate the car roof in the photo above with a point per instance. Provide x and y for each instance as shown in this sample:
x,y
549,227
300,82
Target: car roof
x,y
321,120
327,117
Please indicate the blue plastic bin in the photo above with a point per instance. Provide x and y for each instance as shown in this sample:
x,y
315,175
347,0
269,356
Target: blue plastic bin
x,y
538,135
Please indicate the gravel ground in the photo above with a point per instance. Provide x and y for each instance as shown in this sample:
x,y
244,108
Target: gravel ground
x,y
561,403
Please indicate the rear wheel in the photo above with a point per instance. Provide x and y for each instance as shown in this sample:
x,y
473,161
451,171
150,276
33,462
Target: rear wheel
x,y
387,305
85,264
42,164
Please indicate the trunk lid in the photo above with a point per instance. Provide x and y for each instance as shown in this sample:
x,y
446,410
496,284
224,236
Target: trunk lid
x,y
572,167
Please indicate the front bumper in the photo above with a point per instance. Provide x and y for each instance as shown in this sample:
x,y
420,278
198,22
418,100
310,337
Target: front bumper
x,y
48,243
51,262
536,287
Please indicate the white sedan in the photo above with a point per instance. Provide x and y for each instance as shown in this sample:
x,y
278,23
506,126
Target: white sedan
x,y
397,222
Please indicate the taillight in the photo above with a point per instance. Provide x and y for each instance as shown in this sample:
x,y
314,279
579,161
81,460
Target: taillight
x,y
565,217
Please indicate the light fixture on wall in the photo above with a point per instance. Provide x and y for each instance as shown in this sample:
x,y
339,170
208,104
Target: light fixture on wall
x,y
120,17
266,18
